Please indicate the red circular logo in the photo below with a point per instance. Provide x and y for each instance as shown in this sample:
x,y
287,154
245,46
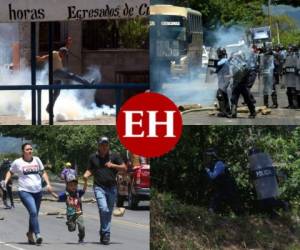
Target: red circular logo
x,y
149,124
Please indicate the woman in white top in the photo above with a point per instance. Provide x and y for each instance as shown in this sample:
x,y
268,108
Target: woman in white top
x,y
29,169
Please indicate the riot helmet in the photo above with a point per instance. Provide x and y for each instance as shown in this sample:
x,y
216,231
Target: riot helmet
x,y
210,156
269,51
253,151
221,52
295,48
211,152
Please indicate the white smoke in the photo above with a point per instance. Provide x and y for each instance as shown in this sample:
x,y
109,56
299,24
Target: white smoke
x,y
70,105
202,90
186,91
225,36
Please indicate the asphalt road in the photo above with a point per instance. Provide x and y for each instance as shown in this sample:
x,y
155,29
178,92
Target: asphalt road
x,y
128,232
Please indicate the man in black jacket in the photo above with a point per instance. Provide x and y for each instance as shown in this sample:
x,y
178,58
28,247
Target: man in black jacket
x,y
104,165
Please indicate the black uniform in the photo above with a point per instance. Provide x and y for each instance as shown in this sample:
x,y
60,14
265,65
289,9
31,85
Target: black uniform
x,y
241,77
224,189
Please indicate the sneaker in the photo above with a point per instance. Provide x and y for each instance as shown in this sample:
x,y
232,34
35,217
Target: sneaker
x,y
80,241
105,239
30,238
39,240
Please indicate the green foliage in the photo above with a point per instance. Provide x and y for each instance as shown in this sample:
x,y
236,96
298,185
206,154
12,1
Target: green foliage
x,y
227,13
9,156
250,13
181,172
56,145
134,33
175,225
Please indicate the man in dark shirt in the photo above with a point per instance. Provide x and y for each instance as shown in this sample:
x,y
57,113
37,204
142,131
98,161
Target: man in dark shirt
x,y
104,165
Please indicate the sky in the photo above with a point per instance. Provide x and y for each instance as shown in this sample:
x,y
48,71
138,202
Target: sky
x,y
10,145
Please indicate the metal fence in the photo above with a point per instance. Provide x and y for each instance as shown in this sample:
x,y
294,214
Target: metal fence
x,y
37,94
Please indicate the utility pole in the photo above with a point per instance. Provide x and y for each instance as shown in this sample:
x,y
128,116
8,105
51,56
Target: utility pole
x,y
278,36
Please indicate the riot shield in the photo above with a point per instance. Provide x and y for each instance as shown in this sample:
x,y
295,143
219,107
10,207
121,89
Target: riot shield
x,y
263,175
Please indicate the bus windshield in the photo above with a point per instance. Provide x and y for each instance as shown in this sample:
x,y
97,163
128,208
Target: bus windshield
x,y
170,35
169,27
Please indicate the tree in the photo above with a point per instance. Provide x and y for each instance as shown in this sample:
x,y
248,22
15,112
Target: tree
x,y
57,144
181,172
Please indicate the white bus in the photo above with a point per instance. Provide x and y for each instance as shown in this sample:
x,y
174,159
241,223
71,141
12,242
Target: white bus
x,y
176,39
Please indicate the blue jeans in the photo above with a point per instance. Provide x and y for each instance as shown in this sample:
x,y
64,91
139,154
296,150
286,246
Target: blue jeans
x,y
105,197
32,202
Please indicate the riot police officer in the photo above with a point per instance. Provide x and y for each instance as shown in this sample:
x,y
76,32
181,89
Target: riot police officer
x,y
266,66
224,188
276,75
264,179
241,73
253,66
290,77
223,73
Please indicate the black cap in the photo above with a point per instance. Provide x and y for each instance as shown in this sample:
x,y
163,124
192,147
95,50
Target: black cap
x,y
253,151
103,139
211,152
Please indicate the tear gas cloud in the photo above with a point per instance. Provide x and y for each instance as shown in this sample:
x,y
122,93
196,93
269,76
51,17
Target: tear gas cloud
x,y
224,36
70,105
202,89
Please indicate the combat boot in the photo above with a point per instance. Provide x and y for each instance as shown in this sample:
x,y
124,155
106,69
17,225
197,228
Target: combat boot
x,y
274,100
266,100
233,111
291,101
252,115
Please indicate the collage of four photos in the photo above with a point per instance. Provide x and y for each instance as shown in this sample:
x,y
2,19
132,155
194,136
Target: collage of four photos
x,y
232,69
